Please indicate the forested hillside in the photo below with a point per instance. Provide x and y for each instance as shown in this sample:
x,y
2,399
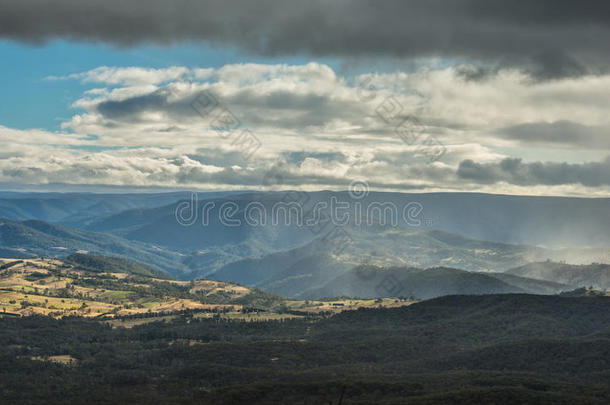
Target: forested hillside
x,y
495,349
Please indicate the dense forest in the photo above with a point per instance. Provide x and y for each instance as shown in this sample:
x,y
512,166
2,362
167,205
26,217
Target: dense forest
x,y
495,349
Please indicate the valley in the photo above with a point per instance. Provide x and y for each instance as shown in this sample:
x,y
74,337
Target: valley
x,y
131,306
264,202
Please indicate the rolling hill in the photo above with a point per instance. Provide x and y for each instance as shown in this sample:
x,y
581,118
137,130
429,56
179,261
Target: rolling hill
x,y
313,265
30,239
531,285
372,282
94,286
594,275
101,264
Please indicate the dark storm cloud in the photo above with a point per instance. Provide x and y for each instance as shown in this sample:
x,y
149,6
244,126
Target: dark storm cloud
x,y
561,132
514,171
550,38
278,108
133,106
299,157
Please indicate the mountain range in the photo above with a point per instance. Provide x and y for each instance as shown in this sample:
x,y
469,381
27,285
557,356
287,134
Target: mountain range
x,y
550,221
496,235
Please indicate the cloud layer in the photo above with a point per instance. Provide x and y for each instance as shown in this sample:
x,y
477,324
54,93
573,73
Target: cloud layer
x,y
311,128
549,38
515,171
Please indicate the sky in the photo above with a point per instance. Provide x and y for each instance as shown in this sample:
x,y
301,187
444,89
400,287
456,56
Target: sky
x,y
469,95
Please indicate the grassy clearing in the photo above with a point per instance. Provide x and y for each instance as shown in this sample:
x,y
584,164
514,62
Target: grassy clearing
x,y
339,305
130,323
64,359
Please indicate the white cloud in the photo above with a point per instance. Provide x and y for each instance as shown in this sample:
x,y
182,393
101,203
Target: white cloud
x,y
141,130
126,75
